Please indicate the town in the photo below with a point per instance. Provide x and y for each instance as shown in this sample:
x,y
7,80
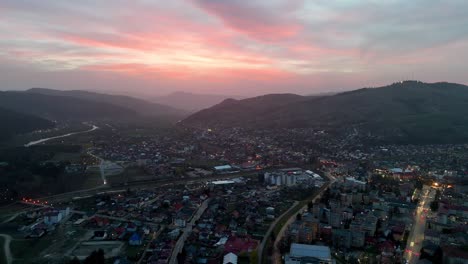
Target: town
x,y
249,197
234,132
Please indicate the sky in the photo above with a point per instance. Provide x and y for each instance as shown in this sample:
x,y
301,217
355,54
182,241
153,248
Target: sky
x,y
236,47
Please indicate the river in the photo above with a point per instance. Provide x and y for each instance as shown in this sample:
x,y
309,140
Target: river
x,y
32,143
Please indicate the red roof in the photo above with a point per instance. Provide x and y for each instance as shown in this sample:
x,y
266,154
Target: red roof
x,y
387,246
119,230
237,245
101,220
454,252
371,240
178,206
457,207
326,230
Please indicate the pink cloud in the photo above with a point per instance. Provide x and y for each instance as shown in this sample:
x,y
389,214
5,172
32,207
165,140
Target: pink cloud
x,y
256,22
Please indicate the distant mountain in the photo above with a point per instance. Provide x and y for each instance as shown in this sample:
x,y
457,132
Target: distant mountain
x,y
62,107
192,102
244,112
14,123
406,112
140,106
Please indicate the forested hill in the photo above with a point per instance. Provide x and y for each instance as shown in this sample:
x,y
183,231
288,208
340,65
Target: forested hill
x,y
17,123
401,112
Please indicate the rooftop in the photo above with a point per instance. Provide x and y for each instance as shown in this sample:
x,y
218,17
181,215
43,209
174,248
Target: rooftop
x,y
303,250
222,182
223,167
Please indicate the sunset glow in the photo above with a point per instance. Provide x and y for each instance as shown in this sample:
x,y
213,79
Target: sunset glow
x,y
230,46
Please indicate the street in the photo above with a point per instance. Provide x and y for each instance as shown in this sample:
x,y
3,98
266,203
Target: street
x,y
276,254
186,232
416,236
268,233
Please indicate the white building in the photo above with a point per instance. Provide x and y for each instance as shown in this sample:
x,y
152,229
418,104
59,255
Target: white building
x,y
179,222
230,258
280,178
221,182
223,169
53,217
270,211
56,216
353,183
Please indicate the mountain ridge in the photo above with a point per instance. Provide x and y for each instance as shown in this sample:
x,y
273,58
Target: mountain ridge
x,y
140,106
398,111
61,108
192,102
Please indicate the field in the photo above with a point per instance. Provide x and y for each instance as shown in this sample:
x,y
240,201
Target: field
x,y
64,156
29,249
55,244
2,253
130,174
111,248
8,211
89,180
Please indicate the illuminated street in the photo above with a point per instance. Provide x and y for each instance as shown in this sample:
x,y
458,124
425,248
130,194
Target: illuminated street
x,y
416,236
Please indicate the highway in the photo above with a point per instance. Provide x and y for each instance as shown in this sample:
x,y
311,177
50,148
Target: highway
x,y
416,236
32,143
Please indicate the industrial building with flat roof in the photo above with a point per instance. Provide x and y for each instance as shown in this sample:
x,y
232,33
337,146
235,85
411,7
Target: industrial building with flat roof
x,y
313,254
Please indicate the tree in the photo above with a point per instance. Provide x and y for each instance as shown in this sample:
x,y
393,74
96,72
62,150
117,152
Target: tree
x,y
75,260
100,256
272,236
181,256
434,206
418,184
96,257
298,217
254,257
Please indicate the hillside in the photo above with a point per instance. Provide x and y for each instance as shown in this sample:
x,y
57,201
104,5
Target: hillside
x,y
246,112
62,107
191,102
402,112
141,107
17,123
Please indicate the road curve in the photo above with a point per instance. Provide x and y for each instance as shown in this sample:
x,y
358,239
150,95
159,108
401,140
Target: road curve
x,y
276,255
6,248
32,143
268,233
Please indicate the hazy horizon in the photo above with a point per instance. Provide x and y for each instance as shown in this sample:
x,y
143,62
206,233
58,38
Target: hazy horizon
x,y
232,47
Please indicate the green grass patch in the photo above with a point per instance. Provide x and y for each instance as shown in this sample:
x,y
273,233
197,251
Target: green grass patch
x,y
2,252
135,252
29,249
